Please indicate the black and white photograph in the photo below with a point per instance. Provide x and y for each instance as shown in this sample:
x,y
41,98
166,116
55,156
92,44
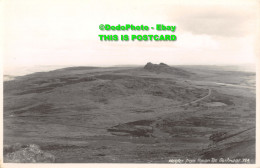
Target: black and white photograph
x,y
129,82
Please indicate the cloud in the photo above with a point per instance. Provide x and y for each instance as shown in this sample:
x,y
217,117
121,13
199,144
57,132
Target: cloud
x,y
66,32
229,21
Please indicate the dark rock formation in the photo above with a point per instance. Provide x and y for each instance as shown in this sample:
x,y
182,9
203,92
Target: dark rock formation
x,y
164,68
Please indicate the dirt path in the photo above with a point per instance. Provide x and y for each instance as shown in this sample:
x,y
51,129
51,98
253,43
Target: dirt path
x,y
186,104
195,101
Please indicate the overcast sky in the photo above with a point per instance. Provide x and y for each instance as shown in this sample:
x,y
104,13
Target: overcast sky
x,y
65,32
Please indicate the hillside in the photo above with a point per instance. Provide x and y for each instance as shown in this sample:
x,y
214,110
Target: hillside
x,y
126,114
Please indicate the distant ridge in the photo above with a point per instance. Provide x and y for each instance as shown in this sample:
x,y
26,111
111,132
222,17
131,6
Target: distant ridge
x,y
8,77
164,68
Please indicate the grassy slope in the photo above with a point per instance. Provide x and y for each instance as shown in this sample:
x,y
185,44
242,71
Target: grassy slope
x,y
69,113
